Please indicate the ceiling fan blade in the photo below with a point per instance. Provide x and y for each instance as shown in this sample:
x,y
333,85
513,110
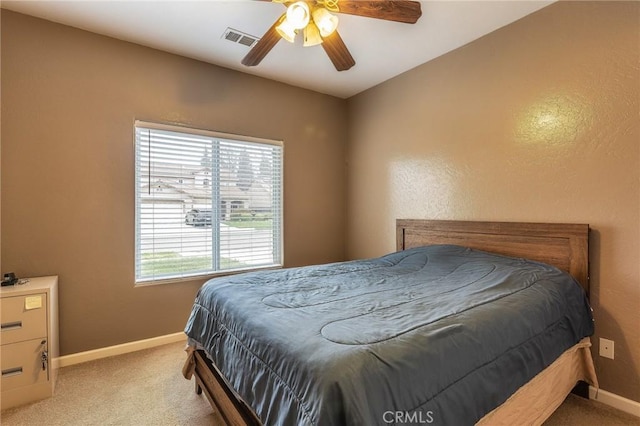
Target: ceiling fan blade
x,y
338,52
391,10
263,46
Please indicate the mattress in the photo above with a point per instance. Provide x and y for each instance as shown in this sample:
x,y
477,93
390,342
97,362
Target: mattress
x,y
438,335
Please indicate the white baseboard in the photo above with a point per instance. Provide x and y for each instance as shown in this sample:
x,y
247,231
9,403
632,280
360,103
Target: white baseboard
x,y
124,348
615,401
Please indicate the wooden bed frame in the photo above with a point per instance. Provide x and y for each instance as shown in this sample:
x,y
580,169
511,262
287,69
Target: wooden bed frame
x,y
565,246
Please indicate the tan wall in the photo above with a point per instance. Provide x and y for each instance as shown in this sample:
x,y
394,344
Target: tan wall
x,y
69,101
537,121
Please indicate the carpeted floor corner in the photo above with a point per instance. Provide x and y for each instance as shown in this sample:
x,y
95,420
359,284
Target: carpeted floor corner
x,y
584,412
147,388
140,388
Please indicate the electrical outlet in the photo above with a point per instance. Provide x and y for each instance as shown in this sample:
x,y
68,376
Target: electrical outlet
x,y
606,348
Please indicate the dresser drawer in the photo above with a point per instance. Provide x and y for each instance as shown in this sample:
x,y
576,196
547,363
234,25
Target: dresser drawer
x,y
22,364
23,318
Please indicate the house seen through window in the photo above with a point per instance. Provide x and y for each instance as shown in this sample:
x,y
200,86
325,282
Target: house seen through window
x,y
206,203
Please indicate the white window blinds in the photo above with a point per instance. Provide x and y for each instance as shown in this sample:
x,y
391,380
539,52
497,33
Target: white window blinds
x,y
205,202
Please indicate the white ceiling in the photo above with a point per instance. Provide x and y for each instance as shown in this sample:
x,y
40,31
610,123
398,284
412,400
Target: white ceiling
x,y
382,49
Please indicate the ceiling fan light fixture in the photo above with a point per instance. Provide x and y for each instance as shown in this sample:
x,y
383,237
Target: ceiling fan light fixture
x,y
315,14
298,15
326,21
311,35
286,30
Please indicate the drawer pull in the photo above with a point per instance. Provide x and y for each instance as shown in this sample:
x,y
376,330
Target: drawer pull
x,y
8,326
10,372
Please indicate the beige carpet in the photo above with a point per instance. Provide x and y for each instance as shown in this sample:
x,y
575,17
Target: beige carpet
x,y
147,388
579,411
140,388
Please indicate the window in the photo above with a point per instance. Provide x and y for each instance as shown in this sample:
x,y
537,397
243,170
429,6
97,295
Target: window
x,y
206,202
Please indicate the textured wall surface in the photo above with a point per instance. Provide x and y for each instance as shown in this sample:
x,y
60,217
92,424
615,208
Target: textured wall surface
x,y
69,101
537,122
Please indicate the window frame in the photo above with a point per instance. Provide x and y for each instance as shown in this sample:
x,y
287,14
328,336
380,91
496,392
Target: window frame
x,y
278,257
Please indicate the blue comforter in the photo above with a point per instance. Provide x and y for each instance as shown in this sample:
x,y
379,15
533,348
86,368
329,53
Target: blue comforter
x,y
433,335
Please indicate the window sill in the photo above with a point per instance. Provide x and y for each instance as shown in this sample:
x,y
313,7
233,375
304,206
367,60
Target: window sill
x,y
206,277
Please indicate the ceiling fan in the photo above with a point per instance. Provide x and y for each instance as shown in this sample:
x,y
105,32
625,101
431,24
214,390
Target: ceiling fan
x,y
314,18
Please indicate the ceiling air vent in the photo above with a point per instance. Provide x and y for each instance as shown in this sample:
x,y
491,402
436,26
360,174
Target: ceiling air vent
x,y
239,37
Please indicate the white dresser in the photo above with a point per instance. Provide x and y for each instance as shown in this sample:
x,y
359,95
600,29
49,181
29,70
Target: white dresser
x,y
28,341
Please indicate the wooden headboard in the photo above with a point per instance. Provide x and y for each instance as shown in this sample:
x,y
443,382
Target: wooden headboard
x,y
563,245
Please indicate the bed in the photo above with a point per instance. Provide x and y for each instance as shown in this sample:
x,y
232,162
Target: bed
x,y
499,335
